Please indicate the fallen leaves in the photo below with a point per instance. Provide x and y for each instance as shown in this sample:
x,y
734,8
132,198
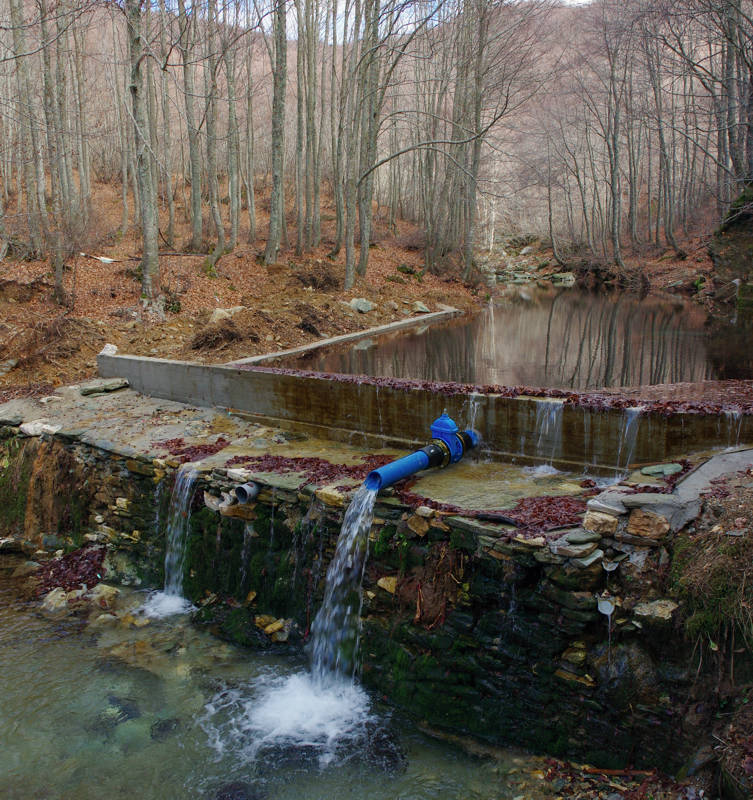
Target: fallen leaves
x,y
183,453
83,566
313,469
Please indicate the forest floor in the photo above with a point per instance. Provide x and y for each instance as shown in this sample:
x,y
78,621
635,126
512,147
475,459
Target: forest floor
x,y
294,302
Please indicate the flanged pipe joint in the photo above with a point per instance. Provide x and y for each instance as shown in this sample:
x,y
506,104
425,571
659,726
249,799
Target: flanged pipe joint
x,y
448,445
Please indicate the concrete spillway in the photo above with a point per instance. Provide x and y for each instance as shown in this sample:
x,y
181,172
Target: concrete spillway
x,y
373,412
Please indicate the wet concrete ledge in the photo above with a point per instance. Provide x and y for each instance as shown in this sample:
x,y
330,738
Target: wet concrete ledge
x,y
567,430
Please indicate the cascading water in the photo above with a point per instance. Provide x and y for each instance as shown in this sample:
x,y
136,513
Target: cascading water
x,y
734,420
322,713
470,410
171,600
549,429
628,436
335,630
248,534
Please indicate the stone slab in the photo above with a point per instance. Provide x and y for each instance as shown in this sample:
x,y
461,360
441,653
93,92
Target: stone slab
x,y
589,560
102,386
699,480
482,528
678,510
580,536
609,502
562,547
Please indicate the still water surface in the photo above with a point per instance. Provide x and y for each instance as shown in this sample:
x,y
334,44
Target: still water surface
x,y
568,340
167,711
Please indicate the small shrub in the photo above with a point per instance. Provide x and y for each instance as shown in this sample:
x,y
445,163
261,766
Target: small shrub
x,y
172,302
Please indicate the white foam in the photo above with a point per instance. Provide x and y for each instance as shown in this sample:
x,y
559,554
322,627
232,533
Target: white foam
x,y
605,482
300,709
161,604
294,710
541,471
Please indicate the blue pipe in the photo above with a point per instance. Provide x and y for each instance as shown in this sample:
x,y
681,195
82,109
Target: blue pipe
x,y
396,470
449,445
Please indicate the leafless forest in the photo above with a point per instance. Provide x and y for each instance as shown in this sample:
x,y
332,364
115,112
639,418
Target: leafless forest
x,y
607,127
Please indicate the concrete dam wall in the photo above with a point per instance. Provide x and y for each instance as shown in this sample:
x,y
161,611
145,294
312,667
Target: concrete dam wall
x,y
564,431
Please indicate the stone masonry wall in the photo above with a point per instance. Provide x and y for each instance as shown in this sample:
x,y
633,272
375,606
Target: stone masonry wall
x,y
567,643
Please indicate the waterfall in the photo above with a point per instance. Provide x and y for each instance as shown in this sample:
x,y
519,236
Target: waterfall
x,y
549,429
321,713
628,436
471,408
248,534
335,630
171,600
734,418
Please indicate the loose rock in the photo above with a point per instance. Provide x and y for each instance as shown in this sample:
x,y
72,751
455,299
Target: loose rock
x,y
362,305
599,522
648,524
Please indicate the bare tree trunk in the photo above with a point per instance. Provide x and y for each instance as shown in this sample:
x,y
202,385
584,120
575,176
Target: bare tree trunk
x,y
250,166
555,249
233,137
352,134
187,28
84,177
167,171
122,133
299,130
148,201
370,112
211,121
475,161
318,135
52,150
337,131
28,154
277,208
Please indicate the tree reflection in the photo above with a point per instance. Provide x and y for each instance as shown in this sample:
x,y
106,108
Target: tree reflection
x,y
569,340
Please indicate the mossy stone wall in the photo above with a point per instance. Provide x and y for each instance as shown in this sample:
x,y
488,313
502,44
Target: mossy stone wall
x,y
462,627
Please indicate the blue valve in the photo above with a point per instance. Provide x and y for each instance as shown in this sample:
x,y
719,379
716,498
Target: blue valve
x,y
448,446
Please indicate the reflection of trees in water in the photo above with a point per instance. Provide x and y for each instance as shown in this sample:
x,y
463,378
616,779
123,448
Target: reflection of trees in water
x,y
439,354
621,343
571,340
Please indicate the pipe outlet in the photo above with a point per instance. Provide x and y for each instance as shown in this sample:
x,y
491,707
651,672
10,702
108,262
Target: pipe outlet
x,y
247,492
